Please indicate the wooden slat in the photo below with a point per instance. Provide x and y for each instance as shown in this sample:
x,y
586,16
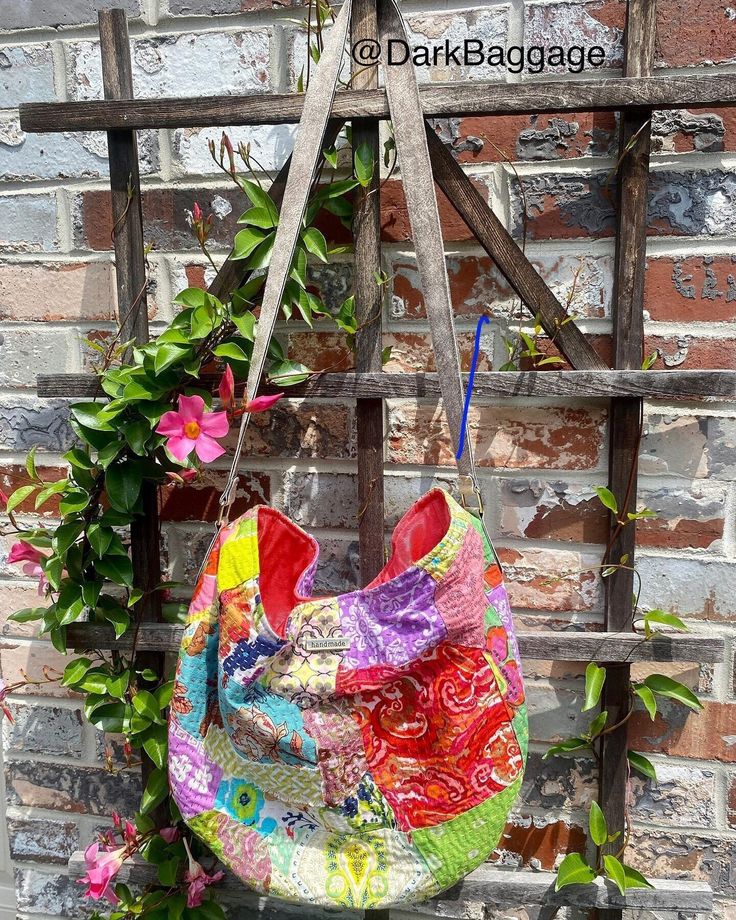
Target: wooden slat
x,y
547,645
368,307
667,385
626,414
130,272
665,92
510,260
488,885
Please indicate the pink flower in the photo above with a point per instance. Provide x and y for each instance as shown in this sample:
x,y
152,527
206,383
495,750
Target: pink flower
x,y
102,867
262,403
226,389
182,477
130,833
191,428
196,880
170,834
24,552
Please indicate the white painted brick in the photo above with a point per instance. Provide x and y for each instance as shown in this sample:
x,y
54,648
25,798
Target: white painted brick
x,y
567,24
28,223
212,63
25,352
270,147
61,156
26,75
689,587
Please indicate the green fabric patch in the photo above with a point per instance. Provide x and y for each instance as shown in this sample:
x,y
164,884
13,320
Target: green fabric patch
x,y
449,849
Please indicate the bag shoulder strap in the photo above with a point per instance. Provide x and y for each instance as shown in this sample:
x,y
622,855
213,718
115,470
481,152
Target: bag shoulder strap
x,y
416,173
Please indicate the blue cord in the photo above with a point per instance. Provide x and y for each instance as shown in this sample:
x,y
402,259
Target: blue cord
x,y
469,392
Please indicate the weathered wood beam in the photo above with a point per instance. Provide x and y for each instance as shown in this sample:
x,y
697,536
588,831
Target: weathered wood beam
x,y
547,645
615,94
626,415
494,887
667,385
369,314
513,264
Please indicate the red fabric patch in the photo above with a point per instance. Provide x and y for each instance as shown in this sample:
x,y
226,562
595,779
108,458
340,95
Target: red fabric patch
x,y
431,734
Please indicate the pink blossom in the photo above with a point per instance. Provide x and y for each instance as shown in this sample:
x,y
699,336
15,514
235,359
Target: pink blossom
x,y
262,403
3,498
130,833
226,389
182,477
31,557
170,834
196,880
192,428
102,867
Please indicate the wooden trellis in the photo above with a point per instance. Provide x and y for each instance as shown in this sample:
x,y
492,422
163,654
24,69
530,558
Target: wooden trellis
x,y
634,95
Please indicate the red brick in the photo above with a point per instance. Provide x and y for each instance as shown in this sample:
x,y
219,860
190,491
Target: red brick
x,y
199,501
695,354
695,32
395,226
13,477
544,438
540,839
297,431
507,138
705,735
66,291
731,803
691,289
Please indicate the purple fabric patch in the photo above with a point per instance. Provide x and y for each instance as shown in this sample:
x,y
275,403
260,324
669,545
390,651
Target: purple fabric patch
x,y
392,623
193,776
499,600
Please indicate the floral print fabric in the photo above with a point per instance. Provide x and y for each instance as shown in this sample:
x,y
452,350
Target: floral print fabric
x,y
367,753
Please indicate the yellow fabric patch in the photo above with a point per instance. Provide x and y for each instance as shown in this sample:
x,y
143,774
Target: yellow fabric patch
x,y
239,556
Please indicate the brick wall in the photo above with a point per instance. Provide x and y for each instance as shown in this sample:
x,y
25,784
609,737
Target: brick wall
x,y
539,462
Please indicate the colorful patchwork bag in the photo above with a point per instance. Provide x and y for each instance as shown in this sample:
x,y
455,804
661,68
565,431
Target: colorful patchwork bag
x,y
361,750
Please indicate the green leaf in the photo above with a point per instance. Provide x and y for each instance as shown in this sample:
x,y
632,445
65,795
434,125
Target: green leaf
x,y
136,434
261,256
665,686
648,698
288,373
123,485
230,350
27,614
99,538
246,324
258,217
118,617
164,694
157,788
74,501
615,871
75,671
31,463
664,619
346,318
145,704
607,498
315,243
191,297
635,879
573,871
167,355
54,489
110,717
597,725
79,458
595,677
58,639
566,747
260,198
91,593
65,535
156,746
118,569
19,496
642,764
246,242
363,160
92,415
118,685
597,825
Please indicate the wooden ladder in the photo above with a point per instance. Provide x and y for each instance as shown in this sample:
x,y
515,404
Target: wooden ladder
x,y
634,95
